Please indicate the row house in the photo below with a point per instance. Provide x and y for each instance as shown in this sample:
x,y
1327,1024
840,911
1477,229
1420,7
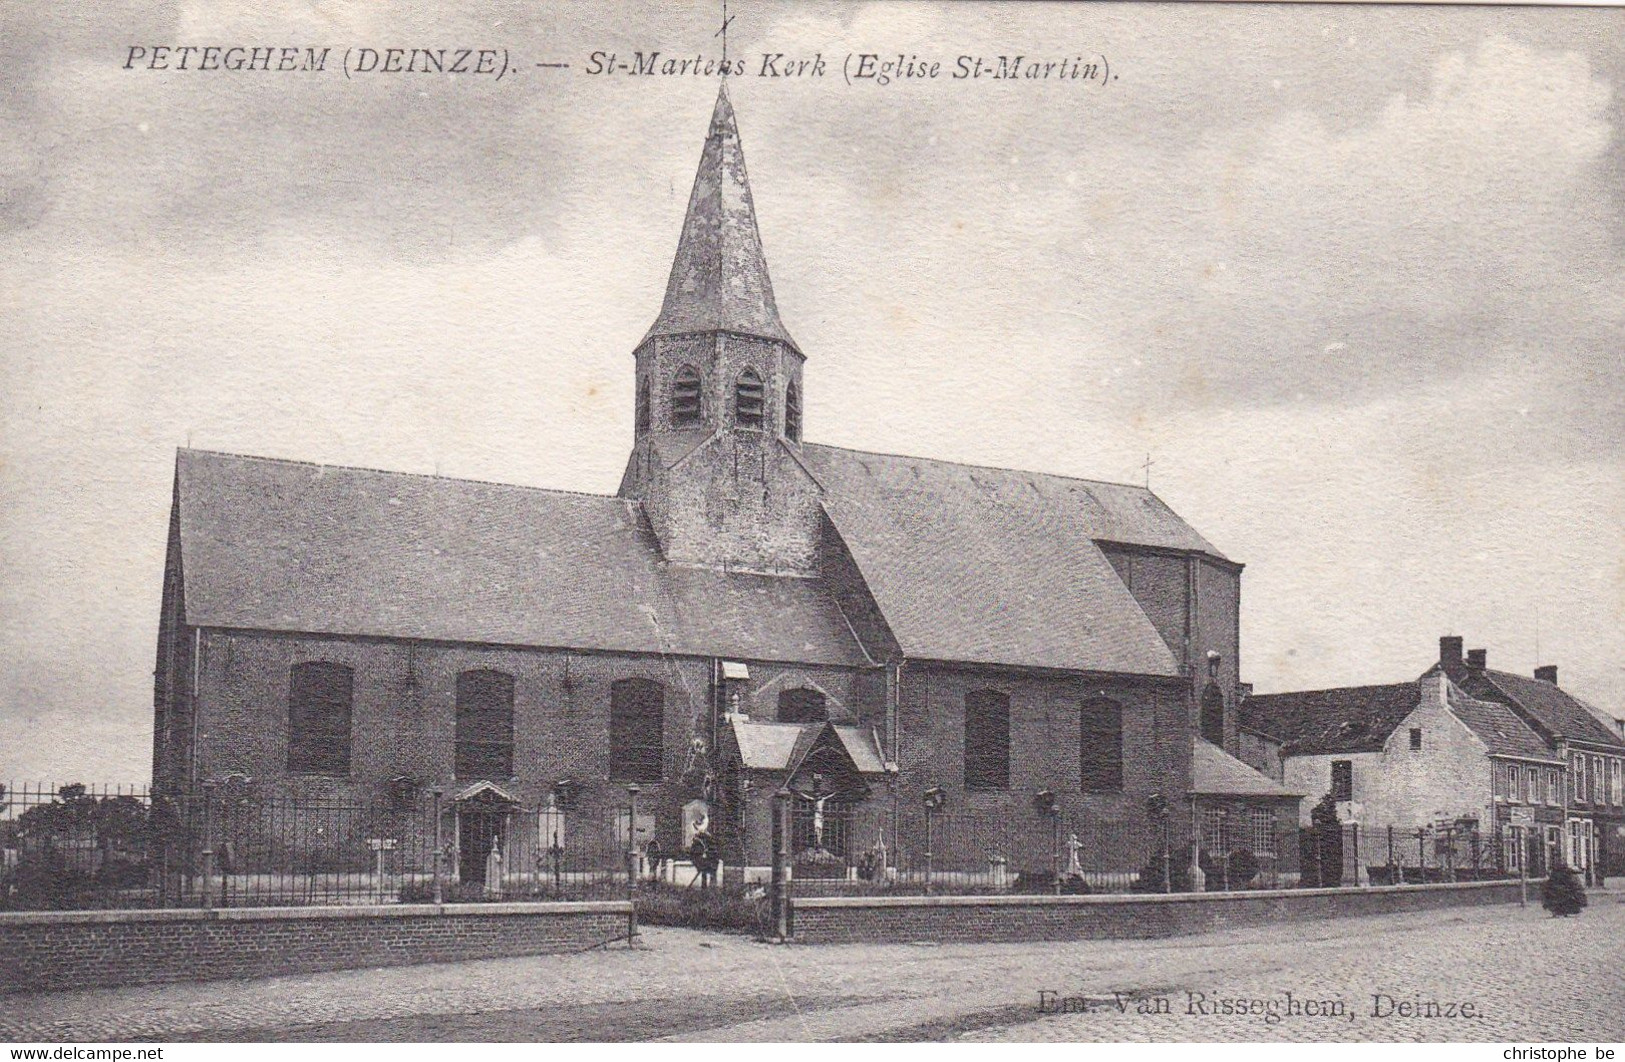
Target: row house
x,y
1418,754
1593,753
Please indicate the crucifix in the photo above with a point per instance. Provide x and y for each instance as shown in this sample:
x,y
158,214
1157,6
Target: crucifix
x,y
723,33
1147,468
817,797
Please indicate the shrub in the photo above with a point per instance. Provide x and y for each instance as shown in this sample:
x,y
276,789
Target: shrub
x,y
48,885
737,910
1150,879
1242,868
1034,882
1562,894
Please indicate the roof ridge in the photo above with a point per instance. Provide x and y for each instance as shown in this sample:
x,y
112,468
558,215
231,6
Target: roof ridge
x,y
399,472
1332,689
989,468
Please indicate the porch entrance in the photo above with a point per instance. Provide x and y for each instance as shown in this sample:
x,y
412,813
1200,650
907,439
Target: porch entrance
x,y
483,811
478,832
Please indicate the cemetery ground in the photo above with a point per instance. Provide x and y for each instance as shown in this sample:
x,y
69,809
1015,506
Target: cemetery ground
x,y
1499,973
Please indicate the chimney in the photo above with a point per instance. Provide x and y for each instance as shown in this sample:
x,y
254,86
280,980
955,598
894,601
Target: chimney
x,y
1547,673
1450,652
1476,659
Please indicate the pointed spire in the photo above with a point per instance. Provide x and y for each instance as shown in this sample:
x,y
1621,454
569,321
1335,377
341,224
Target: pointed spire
x,y
719,278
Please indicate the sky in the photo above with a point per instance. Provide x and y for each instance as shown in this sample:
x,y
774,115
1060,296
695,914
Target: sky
x,y
1352,277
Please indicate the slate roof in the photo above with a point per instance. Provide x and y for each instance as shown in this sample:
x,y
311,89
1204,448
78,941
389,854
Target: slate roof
x,y
719,277
1214,772
779,746
1348,719
1500,728
1552,707
988,565
290,546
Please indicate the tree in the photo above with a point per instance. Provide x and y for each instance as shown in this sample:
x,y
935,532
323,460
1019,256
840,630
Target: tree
x,y
77,848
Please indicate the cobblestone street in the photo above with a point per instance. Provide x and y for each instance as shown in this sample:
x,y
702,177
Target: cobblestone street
x,y
1520,975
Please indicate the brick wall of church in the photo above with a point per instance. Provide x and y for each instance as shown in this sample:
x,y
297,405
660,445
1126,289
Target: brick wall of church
x,y
1162,583
1045,747
1218,609
404,714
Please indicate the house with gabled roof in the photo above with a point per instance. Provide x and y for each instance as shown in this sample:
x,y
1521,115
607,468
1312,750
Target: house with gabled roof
x,y
1594,799
749,611
1417,754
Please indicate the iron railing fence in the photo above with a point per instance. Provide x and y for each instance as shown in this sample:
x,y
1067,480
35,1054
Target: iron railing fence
x,y
81,846
1029,851
1413,855
959,851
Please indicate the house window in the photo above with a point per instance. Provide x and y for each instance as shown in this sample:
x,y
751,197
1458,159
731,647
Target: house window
x,y
987,740
792,412
1213,716
643,403
1616,781
802,706
637,709
1263,831
1554,786
1215,831
484,725
319,698
1599,782
1342,780
1416,738
685,397
1577,771
748,400
1100,747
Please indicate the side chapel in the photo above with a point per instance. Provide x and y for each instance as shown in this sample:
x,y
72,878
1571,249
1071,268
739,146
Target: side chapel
x,y
750,611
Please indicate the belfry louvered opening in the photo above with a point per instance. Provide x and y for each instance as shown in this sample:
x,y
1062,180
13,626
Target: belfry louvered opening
x,y
748,400
685,397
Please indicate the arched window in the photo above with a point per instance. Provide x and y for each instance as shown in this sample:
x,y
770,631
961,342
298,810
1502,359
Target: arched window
x,y
643,403
637,709
987,740
792,412
748,401
1213,715
319,697
1100,747
685,397
802,706
484,725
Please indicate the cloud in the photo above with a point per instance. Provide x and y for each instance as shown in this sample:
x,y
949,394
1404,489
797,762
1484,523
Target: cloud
x,y
1461,233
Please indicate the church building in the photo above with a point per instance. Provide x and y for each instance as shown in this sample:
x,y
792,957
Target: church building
x,y
750,611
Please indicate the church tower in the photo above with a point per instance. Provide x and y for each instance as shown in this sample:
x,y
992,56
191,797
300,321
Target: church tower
x,y
718,414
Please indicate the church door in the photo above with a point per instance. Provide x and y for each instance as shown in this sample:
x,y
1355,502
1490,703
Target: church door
x,y
477,831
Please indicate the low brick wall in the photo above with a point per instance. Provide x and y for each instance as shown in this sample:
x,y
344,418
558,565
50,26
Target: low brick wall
x,y
78,949
897,919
